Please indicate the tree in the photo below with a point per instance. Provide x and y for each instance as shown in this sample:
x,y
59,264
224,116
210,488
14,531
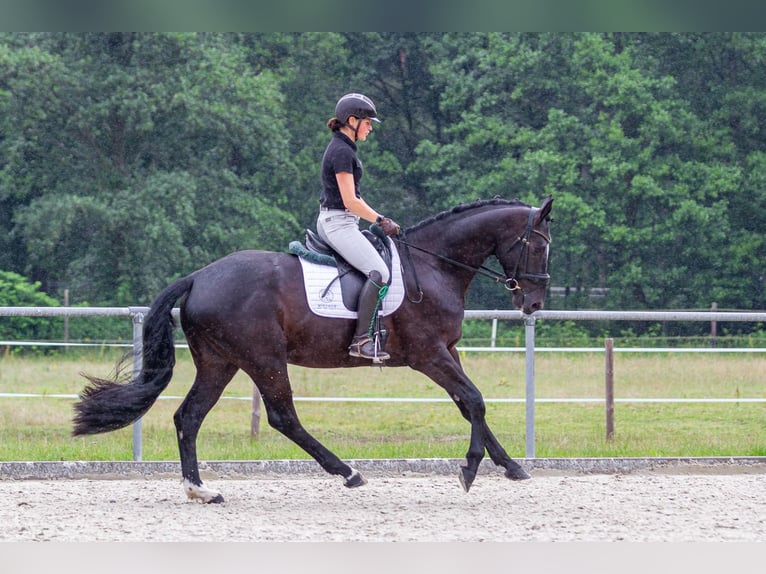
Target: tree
x,y
127,159
17,291
643,181
147,155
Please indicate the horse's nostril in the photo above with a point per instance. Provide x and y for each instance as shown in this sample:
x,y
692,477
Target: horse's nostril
x,y
536,306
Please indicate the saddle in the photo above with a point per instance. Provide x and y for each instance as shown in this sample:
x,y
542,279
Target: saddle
x,y
351,279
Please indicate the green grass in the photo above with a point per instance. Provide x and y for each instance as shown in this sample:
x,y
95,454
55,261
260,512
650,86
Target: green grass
x,y
40,429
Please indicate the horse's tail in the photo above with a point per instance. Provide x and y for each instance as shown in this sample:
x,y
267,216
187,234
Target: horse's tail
x,y
109,404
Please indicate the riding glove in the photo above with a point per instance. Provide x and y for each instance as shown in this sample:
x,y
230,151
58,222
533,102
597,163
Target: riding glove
x,y
389,226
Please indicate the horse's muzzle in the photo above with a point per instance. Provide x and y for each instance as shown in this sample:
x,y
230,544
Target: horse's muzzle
x,y
529,301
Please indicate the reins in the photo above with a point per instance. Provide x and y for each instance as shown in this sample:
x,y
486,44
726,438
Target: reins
x,y
510,283
481,269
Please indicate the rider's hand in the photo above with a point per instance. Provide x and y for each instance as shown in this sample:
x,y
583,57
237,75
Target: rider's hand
x,y
389,226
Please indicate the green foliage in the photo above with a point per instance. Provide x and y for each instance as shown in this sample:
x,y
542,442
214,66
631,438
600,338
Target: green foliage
x,y
144,156
17,291
625,334
127,159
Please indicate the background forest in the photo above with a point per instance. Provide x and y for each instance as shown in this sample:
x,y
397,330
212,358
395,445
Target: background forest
x,y
129,159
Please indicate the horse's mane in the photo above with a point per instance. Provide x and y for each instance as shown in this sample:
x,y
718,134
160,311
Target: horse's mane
x,y
463,207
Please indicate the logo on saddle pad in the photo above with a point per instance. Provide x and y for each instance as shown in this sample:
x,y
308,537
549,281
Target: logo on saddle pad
x,y
332,288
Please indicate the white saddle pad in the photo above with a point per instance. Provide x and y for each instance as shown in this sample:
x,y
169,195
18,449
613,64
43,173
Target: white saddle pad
x,y
317,277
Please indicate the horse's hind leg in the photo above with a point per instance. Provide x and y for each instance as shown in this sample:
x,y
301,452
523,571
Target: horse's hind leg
x,y
209,383
274,386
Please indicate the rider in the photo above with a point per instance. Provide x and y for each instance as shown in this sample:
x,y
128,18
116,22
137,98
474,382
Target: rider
x,y
341,207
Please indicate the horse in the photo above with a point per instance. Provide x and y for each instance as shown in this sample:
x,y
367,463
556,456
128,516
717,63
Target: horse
x,y
247,311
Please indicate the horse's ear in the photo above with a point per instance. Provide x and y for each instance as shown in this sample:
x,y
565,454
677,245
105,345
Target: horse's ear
x,y
545,209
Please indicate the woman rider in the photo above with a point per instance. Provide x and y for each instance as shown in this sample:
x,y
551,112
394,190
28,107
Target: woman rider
x,y
342,206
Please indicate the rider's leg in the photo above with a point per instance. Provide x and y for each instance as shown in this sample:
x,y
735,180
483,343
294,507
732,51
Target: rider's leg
x,y
370,298
341,230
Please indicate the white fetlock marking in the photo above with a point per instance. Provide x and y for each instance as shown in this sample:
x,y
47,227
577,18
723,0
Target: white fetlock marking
x,y
353,474
201,493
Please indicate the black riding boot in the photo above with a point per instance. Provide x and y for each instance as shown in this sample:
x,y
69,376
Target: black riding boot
x,y
363,344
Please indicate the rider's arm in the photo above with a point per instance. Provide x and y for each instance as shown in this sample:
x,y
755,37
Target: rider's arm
x,y
354,204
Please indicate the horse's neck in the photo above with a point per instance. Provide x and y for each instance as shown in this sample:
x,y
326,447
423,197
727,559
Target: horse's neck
x,y
469,238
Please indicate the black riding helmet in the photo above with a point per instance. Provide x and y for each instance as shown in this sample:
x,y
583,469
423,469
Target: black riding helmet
x,y
357,105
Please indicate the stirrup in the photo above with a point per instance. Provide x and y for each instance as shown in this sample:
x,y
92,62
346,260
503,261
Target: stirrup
x,y
364,347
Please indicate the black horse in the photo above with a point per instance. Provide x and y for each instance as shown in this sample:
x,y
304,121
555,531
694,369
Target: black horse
x,y
247,311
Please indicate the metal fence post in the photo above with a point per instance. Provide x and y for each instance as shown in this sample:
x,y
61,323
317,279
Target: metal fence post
x,y
609,382
529,337
138,359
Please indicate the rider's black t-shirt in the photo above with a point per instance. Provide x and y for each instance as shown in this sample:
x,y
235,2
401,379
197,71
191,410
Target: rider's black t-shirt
x,y
339,157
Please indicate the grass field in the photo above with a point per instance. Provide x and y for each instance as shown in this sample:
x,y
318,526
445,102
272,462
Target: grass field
x,y
40,428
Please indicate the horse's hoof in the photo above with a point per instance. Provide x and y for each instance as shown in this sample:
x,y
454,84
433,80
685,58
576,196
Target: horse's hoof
x,y
517,473
355,480
201,493
466,478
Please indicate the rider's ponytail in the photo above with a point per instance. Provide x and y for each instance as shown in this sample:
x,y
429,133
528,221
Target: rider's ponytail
x,y
334,124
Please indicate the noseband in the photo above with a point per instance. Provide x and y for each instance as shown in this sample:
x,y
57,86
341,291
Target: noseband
x,y
511,283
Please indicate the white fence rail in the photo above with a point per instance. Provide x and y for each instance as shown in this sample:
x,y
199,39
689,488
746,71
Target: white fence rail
x,y
136,314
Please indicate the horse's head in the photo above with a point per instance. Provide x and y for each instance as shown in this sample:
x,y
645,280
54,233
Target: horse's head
x,y
524,256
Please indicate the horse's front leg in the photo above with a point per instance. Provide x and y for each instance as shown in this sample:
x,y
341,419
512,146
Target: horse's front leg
x,y
475,453
447,373
497,453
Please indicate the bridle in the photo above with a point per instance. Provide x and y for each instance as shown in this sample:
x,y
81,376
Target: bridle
x,y
509,282
512,283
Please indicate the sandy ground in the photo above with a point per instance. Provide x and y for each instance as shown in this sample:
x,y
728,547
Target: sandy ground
x,y
553,506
